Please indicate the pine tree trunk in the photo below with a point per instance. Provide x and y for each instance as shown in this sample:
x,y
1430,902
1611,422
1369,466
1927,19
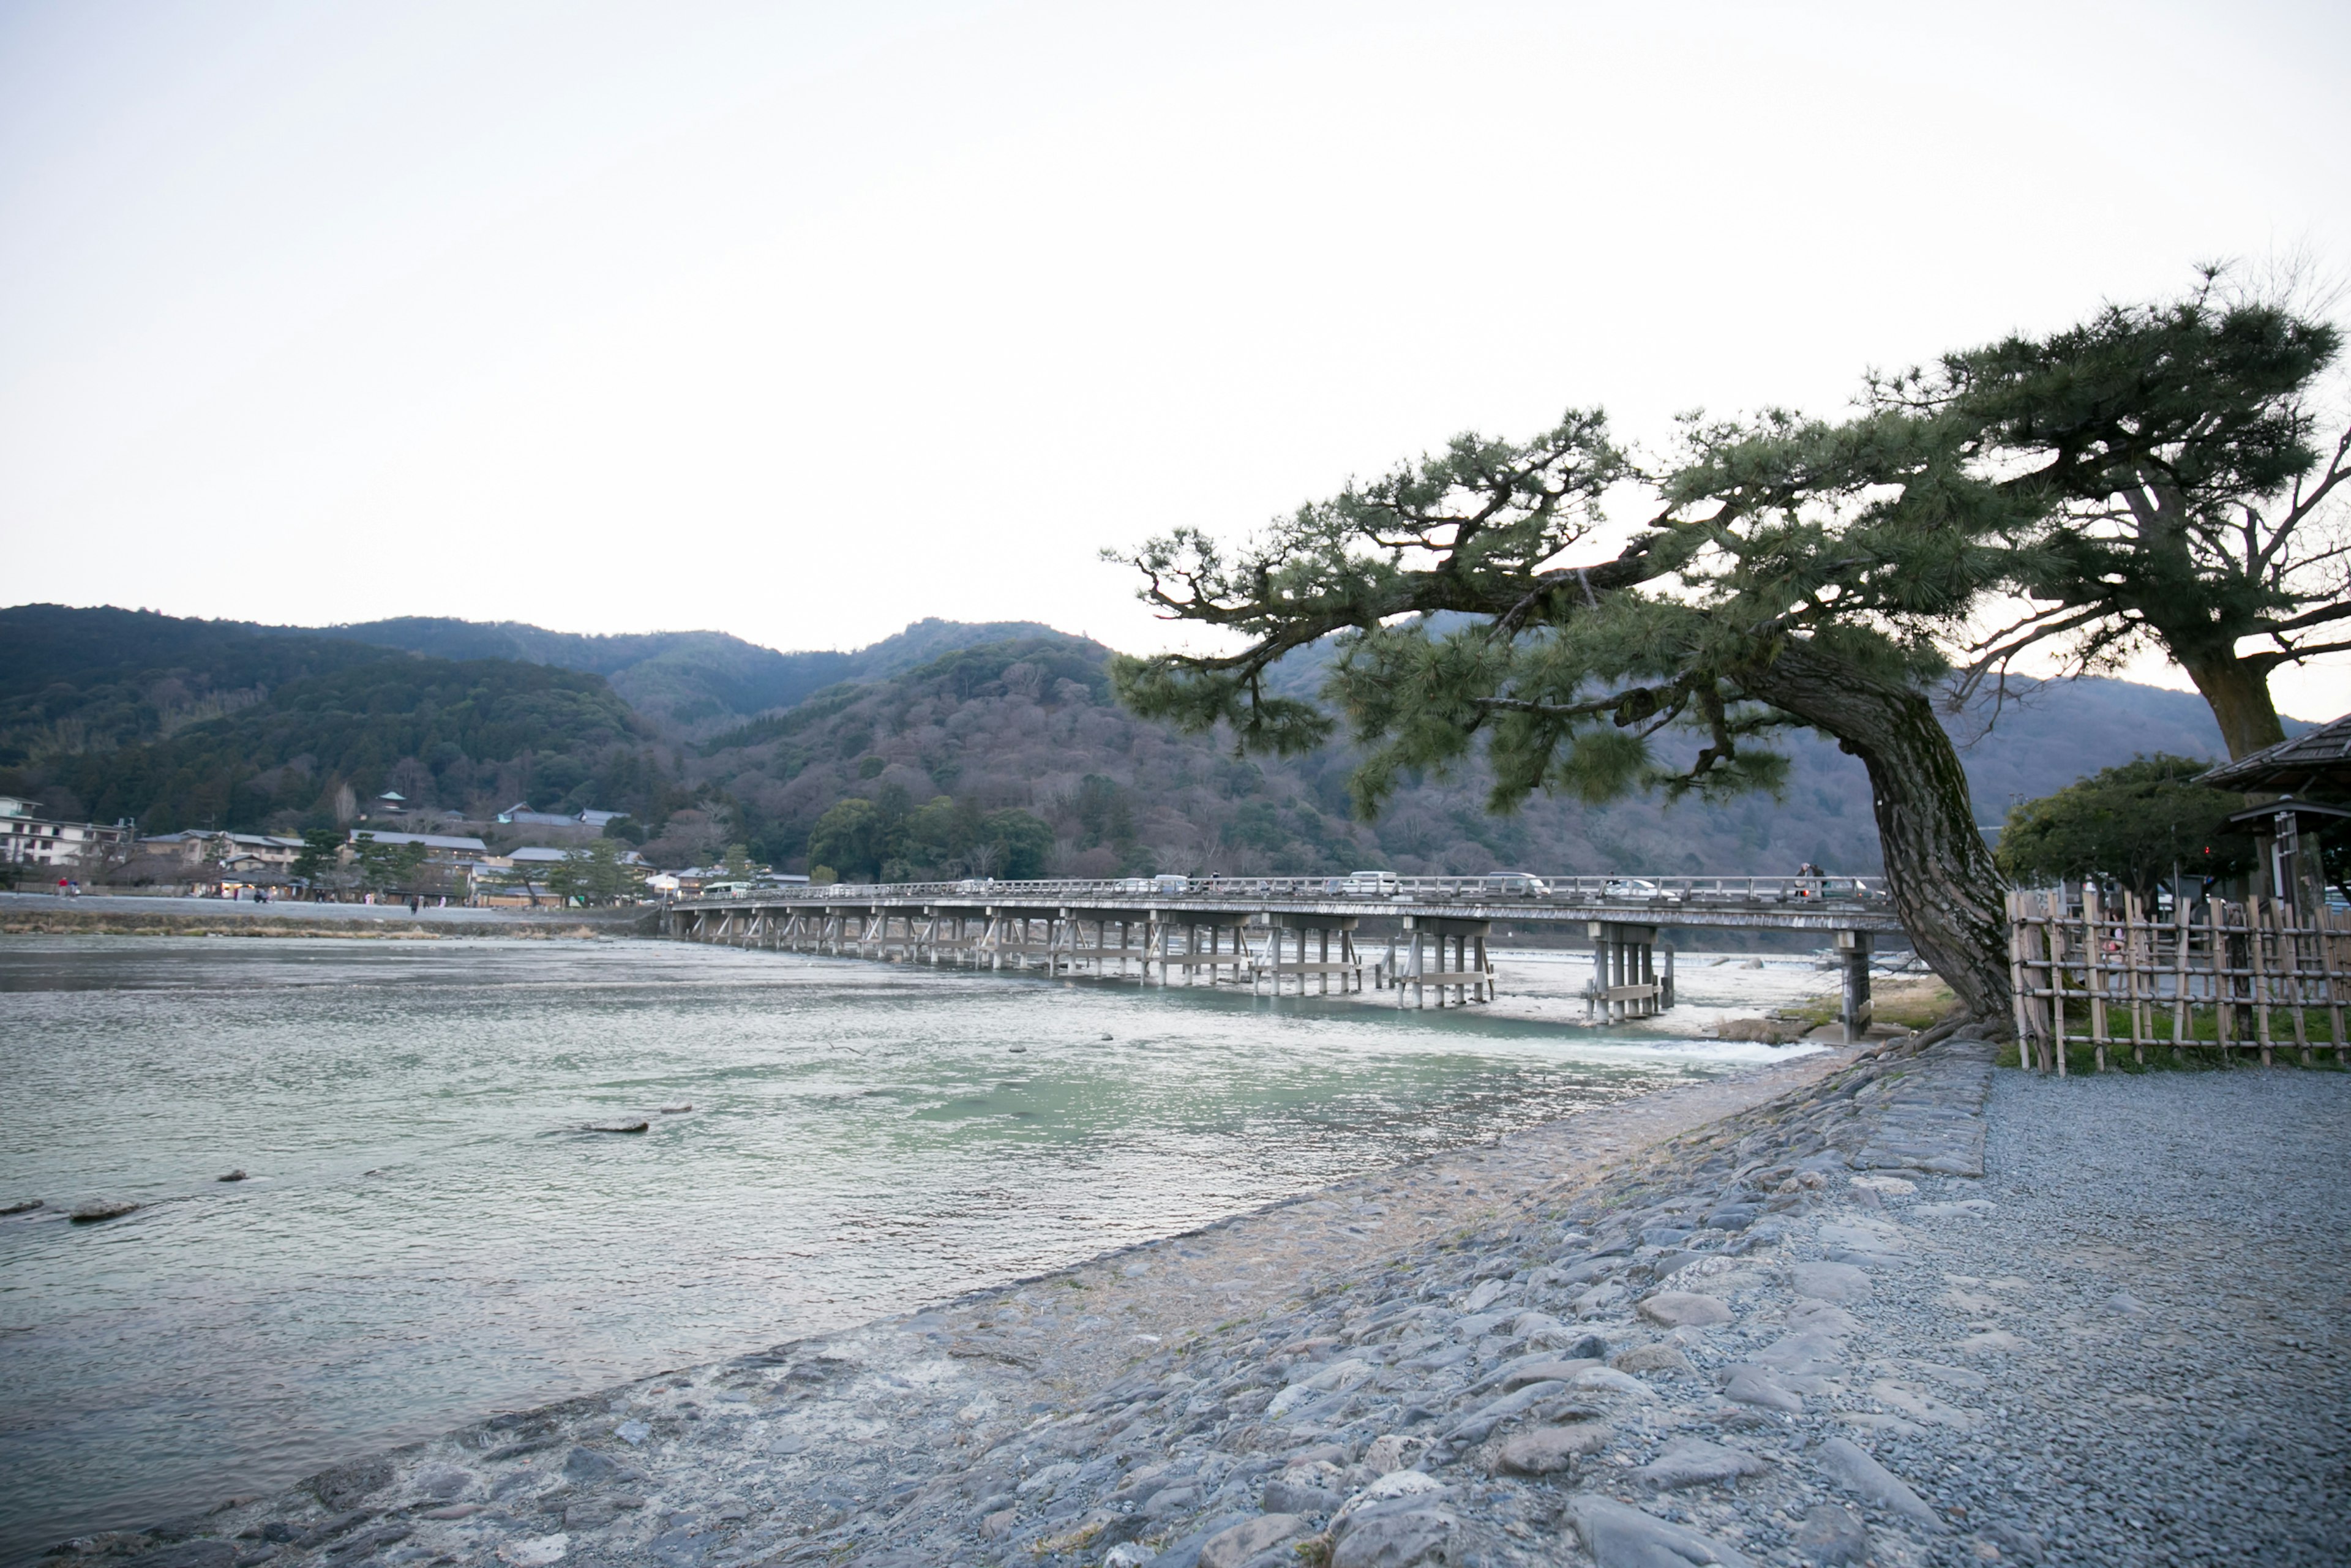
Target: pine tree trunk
x,y
1944,884
2239,696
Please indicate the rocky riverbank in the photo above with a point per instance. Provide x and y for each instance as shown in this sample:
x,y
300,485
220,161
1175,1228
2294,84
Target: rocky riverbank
x,y
1785,1319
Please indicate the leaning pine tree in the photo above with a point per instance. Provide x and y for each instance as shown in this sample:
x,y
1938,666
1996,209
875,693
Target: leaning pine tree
x,y
1792,575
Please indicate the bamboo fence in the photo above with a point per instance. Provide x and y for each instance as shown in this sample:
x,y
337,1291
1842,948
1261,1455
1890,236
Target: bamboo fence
x,y
2213,975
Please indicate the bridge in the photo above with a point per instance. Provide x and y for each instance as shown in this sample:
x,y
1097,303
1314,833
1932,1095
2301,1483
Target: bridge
x,y
1300,933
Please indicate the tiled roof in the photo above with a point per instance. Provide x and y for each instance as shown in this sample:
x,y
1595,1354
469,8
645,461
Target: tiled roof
x,y
2322,755
430,840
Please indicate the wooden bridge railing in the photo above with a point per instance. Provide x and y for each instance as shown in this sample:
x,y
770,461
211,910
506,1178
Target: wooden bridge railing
x,y
2211,975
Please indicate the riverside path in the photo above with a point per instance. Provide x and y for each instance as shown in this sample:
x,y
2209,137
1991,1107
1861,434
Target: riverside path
x,y
1300,933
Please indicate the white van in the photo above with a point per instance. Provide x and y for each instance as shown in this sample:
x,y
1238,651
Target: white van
x,y
1371,884
1513,884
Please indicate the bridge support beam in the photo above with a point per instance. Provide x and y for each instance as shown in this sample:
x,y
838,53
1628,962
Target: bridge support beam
x,y
1471,971
1282,925
1624,982
1853,949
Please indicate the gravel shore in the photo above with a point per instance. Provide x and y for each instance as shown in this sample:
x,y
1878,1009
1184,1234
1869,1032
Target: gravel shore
x,y
1882,1305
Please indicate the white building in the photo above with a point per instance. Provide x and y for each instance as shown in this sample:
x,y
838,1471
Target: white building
x,y
29,839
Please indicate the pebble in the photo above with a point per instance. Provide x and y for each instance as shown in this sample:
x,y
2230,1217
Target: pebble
x,y
1829,1282
1620,1536
1832,1536
1849,1465
1694,1461
1550,1449
1684,1309
1232,1548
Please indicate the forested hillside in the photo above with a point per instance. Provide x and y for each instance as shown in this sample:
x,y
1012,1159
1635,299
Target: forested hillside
x,y
945,748
688,682
74,681
1028,724
108,714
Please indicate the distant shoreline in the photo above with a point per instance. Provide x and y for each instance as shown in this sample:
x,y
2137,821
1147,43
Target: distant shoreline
x,y
120,914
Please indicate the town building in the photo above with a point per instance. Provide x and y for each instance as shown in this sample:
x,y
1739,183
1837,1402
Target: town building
x,y
216,864
519,814
27,838
440,849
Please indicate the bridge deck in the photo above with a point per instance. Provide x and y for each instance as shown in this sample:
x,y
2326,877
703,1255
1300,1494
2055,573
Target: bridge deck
x,y
1259,930
1793,912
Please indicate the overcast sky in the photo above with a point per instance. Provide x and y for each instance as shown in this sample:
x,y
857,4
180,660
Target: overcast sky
x,y
803,322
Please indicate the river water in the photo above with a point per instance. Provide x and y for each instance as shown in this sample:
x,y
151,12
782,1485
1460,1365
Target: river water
x,y
426,1236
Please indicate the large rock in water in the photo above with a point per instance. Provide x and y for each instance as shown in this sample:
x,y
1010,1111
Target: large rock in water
x,y
347,1484
187,1554
90,1213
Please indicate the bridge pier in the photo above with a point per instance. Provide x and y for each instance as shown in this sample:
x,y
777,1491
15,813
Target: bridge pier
x,y
1625,983
1472,970
1320,968
1853,949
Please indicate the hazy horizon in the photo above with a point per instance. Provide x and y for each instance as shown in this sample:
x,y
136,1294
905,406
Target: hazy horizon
x,y
805,324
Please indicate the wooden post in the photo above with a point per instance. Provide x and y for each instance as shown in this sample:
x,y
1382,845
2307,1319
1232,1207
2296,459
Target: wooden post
x,y
2335,952
1599,999
2012,905
2133,926
2057,979
1856,1012
2181,1016
2255,931
2289,962
2224,981
2093,972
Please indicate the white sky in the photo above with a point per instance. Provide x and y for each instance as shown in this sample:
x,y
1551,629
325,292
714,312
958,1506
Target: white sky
x,y
802,322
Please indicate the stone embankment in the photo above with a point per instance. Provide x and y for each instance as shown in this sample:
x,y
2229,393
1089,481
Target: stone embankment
x,y
1810,1329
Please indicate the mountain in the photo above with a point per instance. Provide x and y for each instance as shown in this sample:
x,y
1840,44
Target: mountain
x,y
177,723
433,729
707,740
689,682
74,682
1027,724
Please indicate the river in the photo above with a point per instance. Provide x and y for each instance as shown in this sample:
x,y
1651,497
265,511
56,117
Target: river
x,y
426,1236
